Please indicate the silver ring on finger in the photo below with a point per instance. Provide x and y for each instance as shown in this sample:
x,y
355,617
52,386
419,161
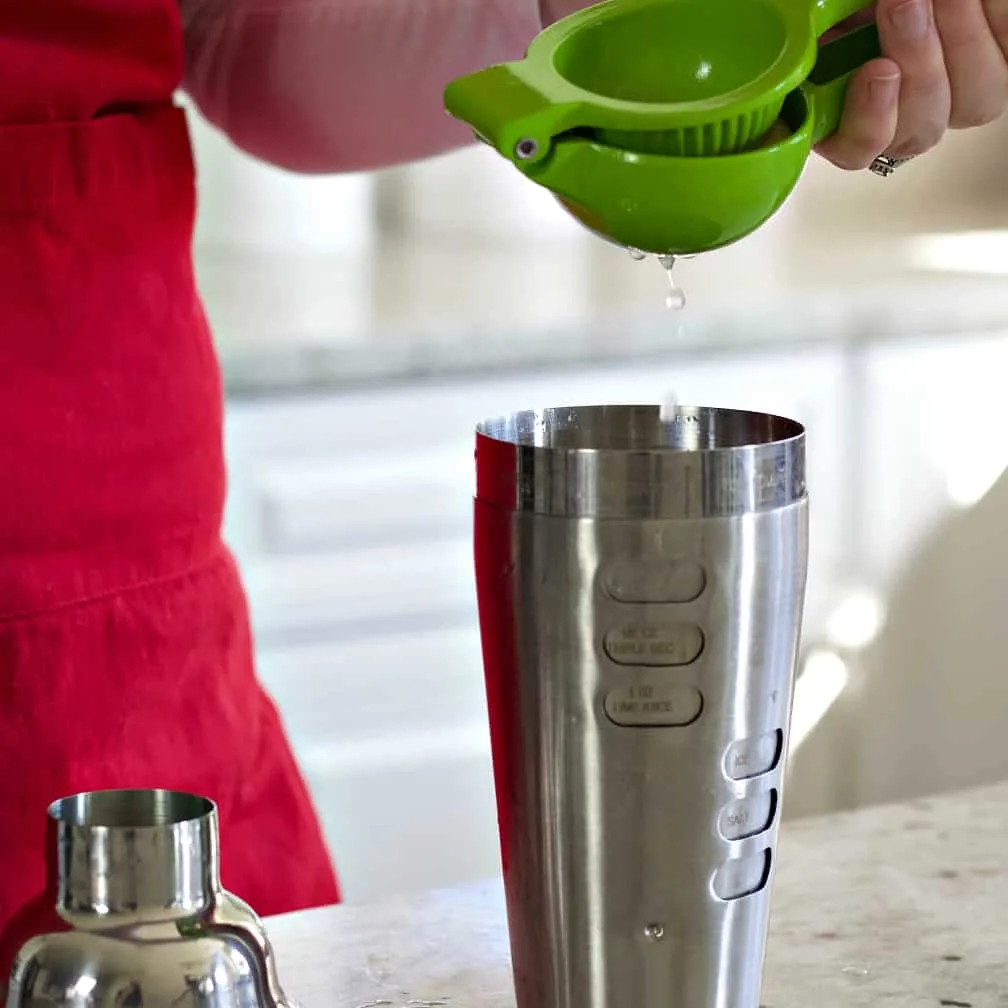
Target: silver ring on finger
x,y
884,166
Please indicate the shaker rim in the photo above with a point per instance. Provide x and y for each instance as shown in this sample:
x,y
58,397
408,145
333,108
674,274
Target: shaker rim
x,y
129,808
625,429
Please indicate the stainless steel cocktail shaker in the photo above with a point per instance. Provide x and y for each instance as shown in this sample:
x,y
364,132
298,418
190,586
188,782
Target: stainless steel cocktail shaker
x,y
640,576
138,888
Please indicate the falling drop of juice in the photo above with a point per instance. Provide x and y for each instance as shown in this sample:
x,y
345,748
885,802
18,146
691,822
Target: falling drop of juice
x,y
676,297
636,254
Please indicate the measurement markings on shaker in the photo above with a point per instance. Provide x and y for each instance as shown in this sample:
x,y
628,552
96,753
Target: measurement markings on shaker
x,y
653,705
645,643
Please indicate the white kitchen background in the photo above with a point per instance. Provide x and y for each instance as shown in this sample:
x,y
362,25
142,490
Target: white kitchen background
x,y
350,507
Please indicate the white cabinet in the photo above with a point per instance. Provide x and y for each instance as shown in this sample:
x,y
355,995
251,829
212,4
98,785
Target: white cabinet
x,y
935,437
924,710
351,517
390,729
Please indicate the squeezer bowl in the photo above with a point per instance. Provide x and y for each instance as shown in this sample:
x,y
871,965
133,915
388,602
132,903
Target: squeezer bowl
x,y
633,57
685,205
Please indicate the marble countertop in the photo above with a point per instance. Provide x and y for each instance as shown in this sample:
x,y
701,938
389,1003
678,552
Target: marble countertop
x,y
408,310
900,905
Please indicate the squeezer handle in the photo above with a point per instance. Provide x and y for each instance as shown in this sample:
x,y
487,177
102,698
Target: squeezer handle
x,y
509,113
838,61
827,14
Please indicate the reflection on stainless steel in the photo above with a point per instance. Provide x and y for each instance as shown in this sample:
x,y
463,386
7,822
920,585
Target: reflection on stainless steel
x,y
635,462
638,774
139,887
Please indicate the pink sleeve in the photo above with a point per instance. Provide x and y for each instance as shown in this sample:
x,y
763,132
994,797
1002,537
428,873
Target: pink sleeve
x,y
345,85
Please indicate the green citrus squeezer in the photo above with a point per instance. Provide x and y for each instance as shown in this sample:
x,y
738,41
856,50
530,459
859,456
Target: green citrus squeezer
x,y
670,126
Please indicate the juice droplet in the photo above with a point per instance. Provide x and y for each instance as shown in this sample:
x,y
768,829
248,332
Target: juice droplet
x,y
636,254
676,297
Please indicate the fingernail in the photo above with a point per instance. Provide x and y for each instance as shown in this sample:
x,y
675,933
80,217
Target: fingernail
x,y
884,90
911,19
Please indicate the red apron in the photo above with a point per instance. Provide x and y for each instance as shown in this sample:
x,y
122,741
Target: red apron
x,y
125,656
